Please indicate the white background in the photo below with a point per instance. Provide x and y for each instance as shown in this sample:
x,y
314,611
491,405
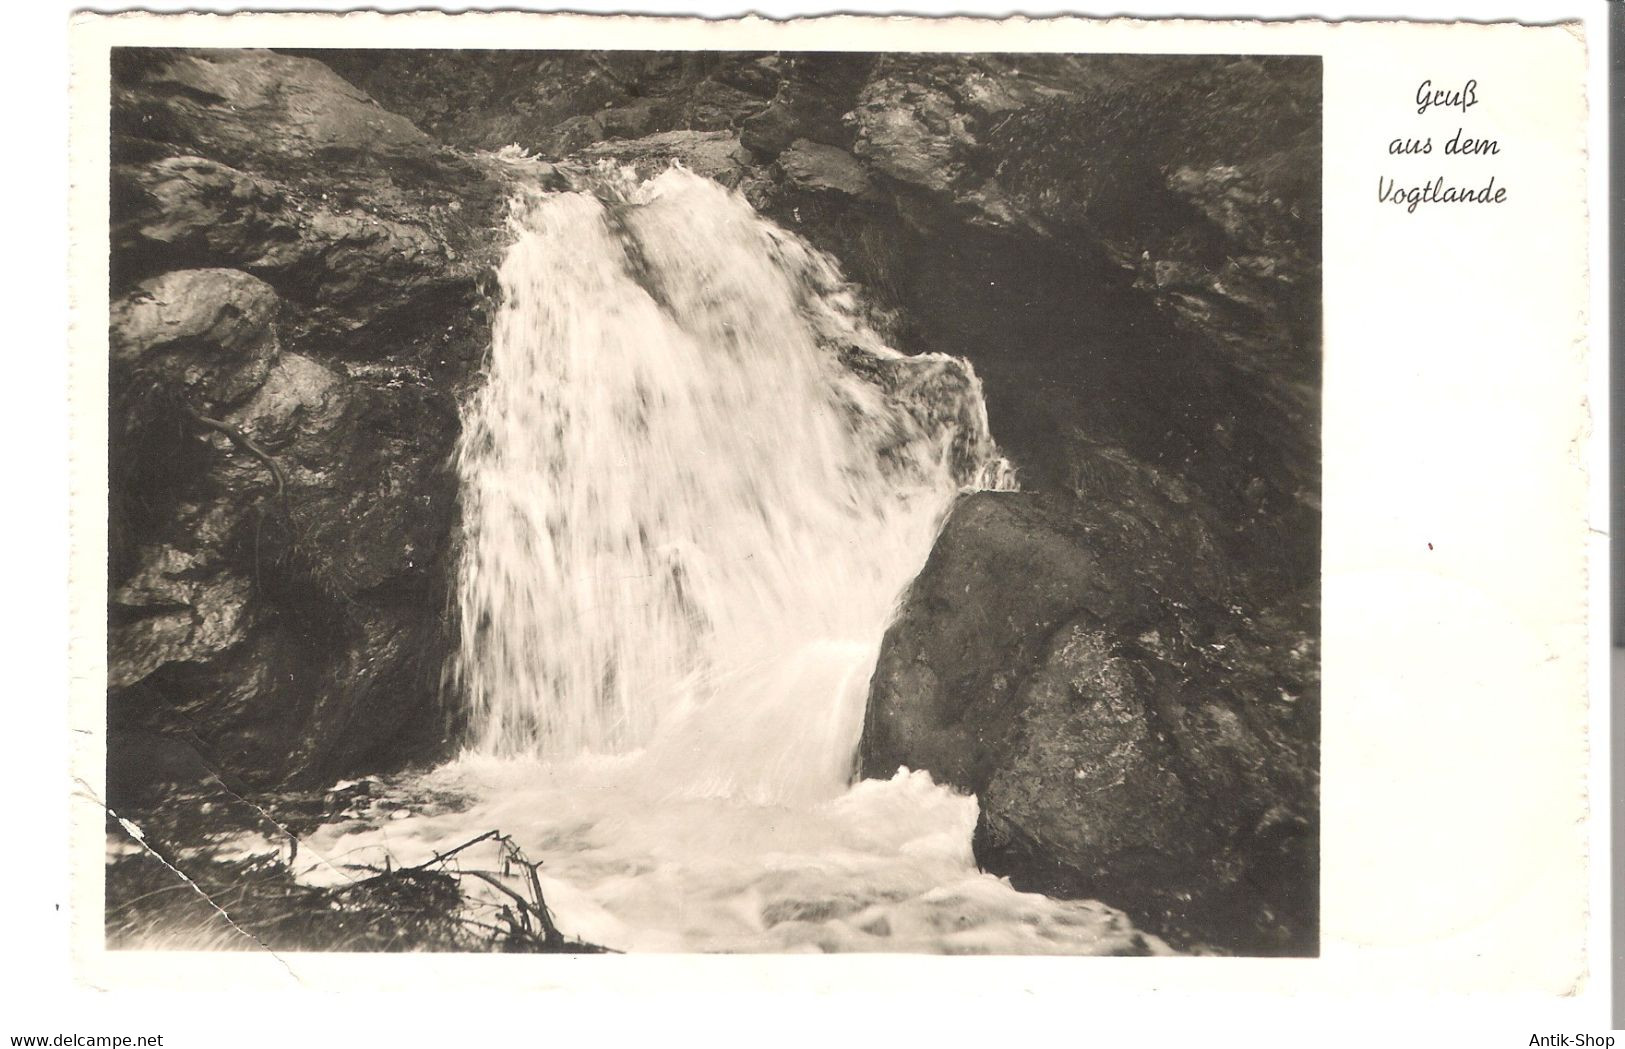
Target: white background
x,y
37,996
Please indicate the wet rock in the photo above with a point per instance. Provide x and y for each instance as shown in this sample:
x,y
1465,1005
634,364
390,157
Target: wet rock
x,y
297,289
354,271
1256,292
349,270
556,103
943,397
821,89
570,135
289,617
371,509
816,168
170,612
770,132
275,165
1129,737
713,154
758,77
944,682
208,334
191,207
633,120
815,94
912,133
714,105
296,391
235,105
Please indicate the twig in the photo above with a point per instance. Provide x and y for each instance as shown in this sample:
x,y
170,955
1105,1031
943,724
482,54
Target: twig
x,y
496,882
441,857
543,915
246,443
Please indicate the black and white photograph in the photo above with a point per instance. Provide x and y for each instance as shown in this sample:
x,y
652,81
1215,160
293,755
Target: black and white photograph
x,y
779,525
713,501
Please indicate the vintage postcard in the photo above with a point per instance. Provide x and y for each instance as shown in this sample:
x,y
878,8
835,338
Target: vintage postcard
x,y
653,488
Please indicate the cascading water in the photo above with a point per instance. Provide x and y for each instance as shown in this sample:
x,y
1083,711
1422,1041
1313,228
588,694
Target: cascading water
x,y
686,520
695,484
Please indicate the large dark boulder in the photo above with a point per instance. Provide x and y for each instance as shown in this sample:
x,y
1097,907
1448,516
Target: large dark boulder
x,y
1131,734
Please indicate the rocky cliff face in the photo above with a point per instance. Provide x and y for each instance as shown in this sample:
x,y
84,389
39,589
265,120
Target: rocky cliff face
x,y
296,280
1120,660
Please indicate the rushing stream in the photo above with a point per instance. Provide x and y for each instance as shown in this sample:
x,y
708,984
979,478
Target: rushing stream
x,y
695,484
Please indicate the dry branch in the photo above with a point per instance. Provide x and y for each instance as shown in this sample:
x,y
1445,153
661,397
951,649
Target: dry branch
x,y
422,907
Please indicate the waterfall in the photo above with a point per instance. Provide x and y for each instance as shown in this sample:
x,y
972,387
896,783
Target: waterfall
x,y
695,483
